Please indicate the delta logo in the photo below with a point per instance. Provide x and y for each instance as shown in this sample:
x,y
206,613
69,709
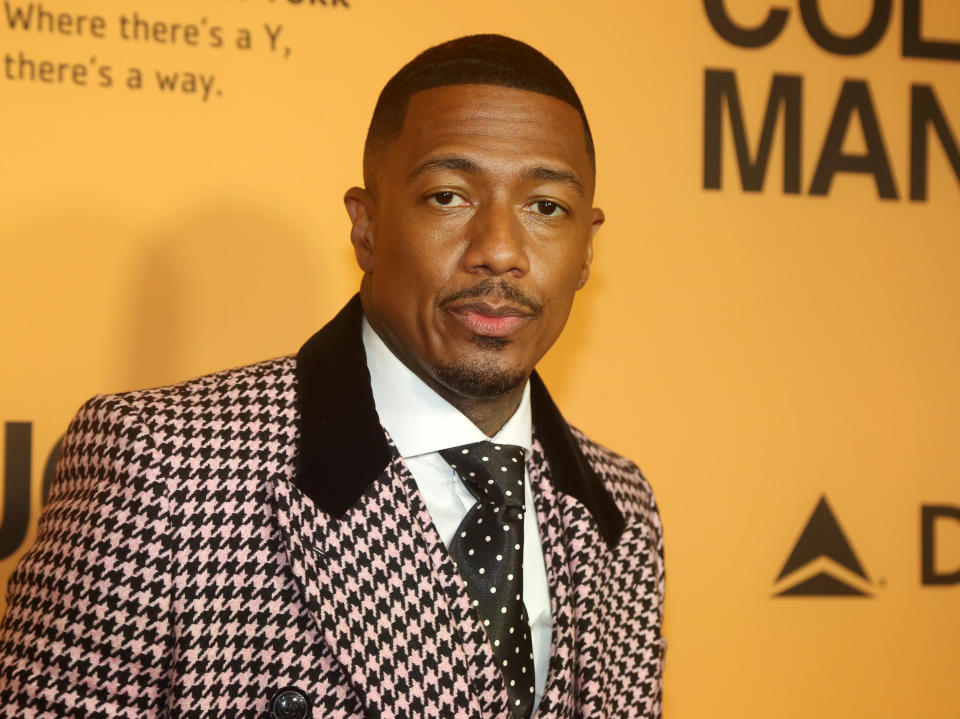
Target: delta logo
x,y
823,562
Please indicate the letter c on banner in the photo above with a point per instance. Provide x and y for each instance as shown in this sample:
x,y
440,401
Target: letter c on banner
x,y
744,37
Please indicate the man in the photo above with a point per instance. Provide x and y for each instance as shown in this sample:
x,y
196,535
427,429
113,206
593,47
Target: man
x,y
397,522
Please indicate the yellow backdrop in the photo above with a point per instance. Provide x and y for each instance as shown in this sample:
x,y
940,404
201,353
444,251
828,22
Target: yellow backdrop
x,y
752,349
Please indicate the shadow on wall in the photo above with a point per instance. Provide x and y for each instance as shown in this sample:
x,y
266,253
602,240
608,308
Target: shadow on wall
x,y
97,300
224,285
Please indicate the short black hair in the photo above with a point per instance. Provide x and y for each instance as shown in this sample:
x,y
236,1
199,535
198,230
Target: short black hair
x,y
469,60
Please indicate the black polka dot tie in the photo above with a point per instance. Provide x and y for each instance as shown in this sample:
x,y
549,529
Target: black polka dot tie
x,y
488,550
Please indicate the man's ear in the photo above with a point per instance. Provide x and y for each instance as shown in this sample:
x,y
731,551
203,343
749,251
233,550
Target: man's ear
x,y
596,220
361,208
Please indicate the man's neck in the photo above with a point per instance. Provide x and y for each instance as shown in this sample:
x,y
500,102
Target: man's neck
x,y
489,414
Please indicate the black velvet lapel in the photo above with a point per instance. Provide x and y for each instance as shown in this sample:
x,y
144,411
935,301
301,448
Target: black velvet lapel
x,y
343,448
569,470
342,445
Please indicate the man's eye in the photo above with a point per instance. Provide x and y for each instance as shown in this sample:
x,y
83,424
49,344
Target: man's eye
x,y
447,199
548,208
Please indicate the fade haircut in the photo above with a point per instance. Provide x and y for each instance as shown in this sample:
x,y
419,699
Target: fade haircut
x,y
470,60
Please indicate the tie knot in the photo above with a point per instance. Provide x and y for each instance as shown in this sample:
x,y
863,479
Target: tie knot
x,y
493,472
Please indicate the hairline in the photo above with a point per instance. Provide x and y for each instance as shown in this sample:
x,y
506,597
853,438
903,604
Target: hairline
x,y
383,141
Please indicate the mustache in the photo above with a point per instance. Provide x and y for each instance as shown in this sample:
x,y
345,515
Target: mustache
x,y
495,289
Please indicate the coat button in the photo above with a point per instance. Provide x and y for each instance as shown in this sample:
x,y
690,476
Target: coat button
x,y
290,703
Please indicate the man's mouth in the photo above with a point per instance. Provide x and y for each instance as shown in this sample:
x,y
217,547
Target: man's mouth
x,y
490,320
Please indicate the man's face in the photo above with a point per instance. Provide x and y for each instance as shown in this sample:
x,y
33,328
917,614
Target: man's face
x,y
477,234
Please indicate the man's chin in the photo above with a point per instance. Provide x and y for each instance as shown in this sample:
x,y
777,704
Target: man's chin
x,y
481,379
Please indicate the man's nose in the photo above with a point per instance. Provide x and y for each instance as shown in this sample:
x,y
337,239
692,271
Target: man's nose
x,y
497,242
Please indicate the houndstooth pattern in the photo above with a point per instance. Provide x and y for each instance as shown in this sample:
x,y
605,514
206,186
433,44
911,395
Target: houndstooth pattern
x,y
179,572
617,593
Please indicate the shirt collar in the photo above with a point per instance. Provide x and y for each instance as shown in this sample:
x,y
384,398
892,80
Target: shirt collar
x,y
418,419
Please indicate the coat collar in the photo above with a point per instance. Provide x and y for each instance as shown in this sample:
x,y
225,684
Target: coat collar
x,y
341,437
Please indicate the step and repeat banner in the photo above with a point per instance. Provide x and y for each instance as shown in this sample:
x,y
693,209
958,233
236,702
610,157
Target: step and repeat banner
x,y
772,328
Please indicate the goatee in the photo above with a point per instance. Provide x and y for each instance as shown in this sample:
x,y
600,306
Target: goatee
x,y
480,380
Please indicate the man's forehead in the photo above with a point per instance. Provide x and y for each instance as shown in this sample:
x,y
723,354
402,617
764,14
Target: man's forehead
x,y
492,118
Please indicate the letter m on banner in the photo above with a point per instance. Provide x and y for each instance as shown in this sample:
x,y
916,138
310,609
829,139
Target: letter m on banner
x,y
786,92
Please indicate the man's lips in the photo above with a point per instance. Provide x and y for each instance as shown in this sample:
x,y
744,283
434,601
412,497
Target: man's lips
x,y
487,320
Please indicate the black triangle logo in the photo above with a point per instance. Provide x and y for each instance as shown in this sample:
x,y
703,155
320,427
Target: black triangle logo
x,y
822,537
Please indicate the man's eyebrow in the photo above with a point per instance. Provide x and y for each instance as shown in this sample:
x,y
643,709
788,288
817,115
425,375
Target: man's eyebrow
x,y
562,176
458,164
462,164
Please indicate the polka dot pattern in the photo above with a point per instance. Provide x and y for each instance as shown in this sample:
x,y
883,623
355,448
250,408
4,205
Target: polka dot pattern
x,y
491,562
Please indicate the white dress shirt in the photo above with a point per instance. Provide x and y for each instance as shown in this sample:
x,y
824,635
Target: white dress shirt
x,y
421,423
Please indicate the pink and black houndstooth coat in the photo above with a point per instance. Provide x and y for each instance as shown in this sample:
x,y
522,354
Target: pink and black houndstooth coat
x,y
208,544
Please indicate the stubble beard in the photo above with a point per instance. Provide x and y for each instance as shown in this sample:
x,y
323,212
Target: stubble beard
x,y
482,377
